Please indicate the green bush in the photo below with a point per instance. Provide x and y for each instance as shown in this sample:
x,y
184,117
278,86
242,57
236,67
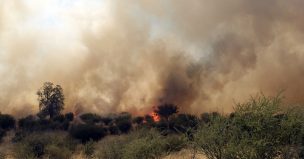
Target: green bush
x,y
87,132
111,147
259,128
7,121
56,145
145,145
139,144
174,143
213,139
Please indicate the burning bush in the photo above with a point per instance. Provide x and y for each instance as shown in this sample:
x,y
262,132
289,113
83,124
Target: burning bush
x,y
166,110
149,120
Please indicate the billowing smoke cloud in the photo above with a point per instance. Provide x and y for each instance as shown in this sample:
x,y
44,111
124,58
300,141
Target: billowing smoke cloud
x,y
112,56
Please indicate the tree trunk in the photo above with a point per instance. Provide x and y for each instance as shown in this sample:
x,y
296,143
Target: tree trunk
x,y
51,111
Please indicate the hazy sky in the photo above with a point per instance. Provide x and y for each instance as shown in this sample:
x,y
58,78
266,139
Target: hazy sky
x,y
112,55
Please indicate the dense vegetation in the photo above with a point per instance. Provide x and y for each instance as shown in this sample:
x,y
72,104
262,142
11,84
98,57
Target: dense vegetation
x,y
263,127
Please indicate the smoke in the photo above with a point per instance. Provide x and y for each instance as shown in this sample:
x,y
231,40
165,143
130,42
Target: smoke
x,y
112,56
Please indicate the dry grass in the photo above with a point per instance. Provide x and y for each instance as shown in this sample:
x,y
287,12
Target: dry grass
x,y
184,154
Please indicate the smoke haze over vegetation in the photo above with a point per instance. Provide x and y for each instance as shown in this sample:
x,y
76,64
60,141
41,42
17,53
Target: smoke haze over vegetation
x,y
112,56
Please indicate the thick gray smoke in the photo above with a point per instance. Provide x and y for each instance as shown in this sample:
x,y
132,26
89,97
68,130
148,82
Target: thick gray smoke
x,y
131,55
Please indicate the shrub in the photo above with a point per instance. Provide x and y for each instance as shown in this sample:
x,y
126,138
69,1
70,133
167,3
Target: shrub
x,y
86,132
162,126
37,147
124,116
59,118
113,129
89,149
259,128
175,143
19,135
142,143
28,123
205,118
7,121
111,147
184,123
124,125
2,134
69,116
56,145
90,118
123,122
212,139
56,152
138,120
150,145
149,120
31,123
106,120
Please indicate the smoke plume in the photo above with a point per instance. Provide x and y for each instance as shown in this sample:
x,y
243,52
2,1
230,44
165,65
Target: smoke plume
x,y
112,56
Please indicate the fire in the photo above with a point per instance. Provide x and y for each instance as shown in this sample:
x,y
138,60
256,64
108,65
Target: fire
x,y
155,116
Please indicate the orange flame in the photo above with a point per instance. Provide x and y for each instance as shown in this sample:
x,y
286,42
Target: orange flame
x,y
155,116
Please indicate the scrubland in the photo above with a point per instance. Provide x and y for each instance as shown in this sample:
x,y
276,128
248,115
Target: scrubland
x,y
262,127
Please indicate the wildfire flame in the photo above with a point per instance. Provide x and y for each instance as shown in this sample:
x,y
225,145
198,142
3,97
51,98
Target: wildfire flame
x,y
155,116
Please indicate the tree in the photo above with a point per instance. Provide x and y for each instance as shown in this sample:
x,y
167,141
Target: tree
x,y
166,110
51,100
